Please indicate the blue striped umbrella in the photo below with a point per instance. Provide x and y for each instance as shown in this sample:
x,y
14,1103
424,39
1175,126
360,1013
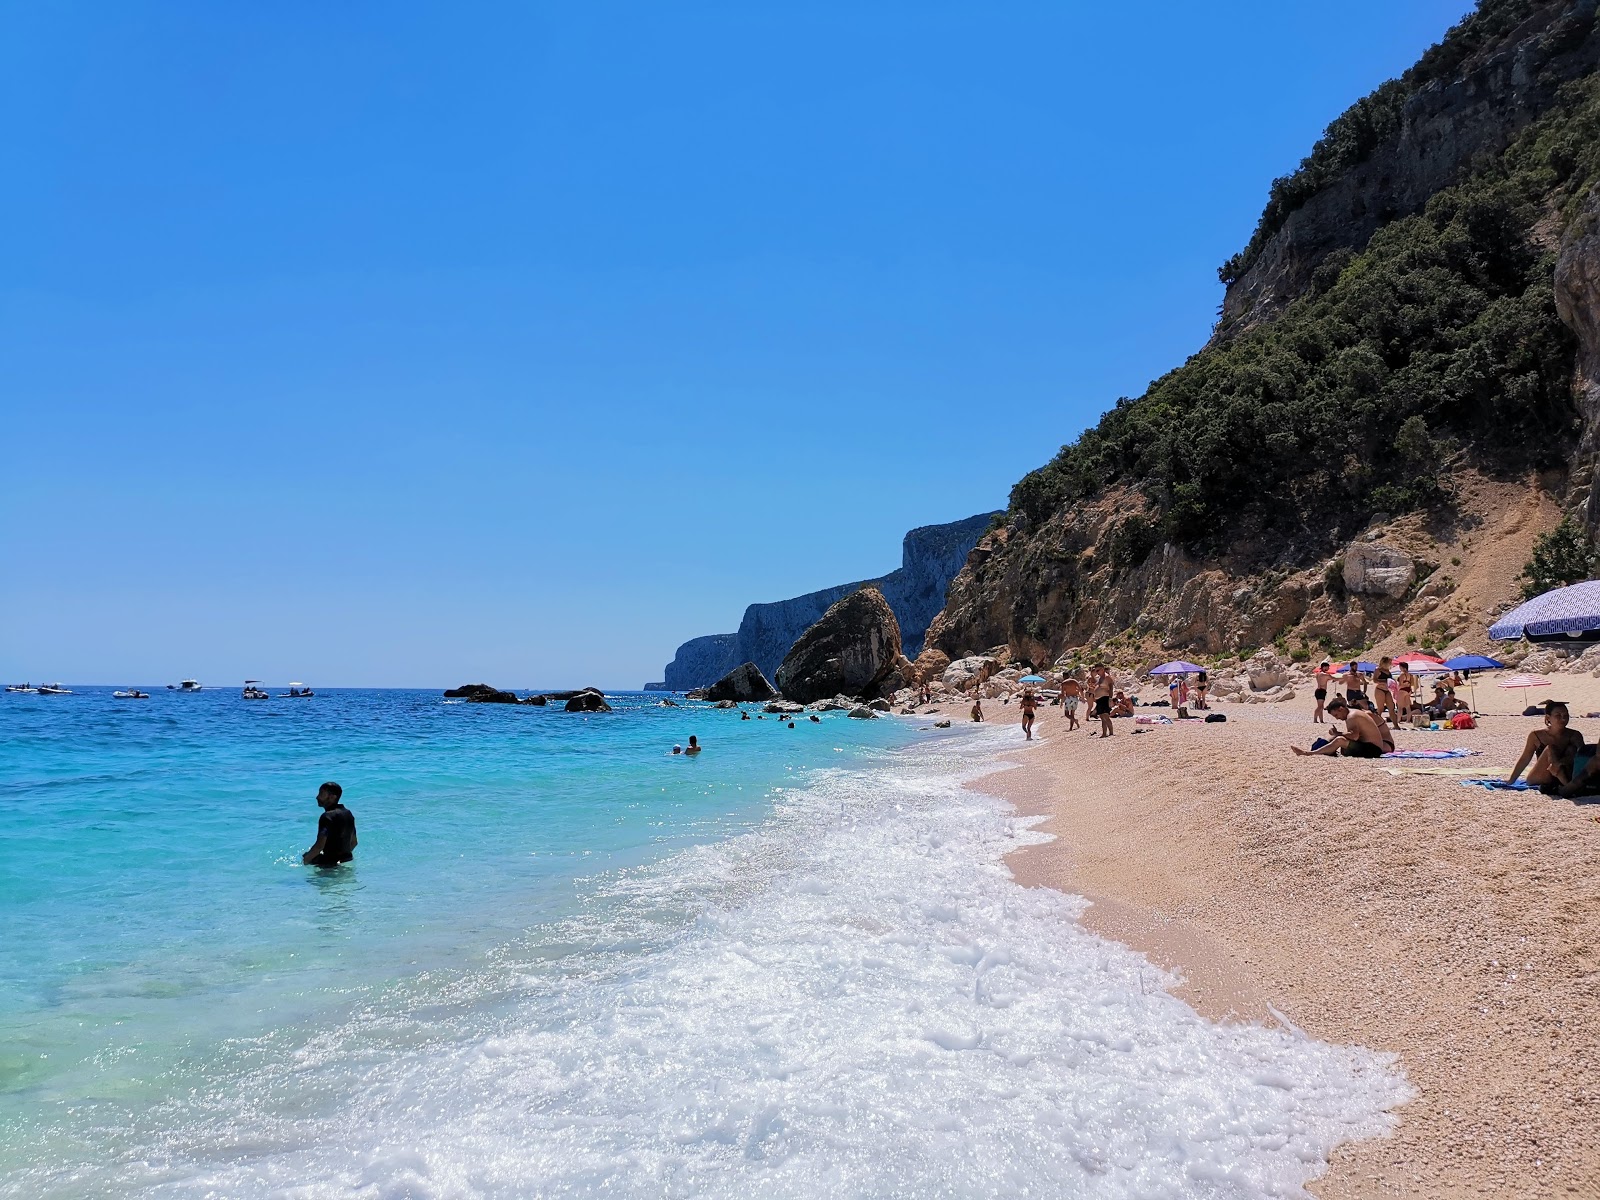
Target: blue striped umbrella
x,y
1565,612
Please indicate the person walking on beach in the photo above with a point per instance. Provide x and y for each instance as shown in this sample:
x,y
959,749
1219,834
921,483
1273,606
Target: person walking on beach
x,y
1071,697
336,830
1103,685
1030,704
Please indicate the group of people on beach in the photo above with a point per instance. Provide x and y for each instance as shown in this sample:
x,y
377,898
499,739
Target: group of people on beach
x,y
1395,692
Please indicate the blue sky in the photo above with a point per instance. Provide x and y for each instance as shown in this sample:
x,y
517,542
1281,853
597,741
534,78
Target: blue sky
x,y
402,344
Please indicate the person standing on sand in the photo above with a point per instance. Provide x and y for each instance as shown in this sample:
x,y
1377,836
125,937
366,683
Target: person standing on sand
x,y
1323,677
1029,703
1202,685
1404,684
1103,685
1355,686
1381,692
977,705
1071,697
336,830
1364,735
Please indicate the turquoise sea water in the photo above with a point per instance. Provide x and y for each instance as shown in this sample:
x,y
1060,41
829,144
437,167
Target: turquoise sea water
x,y
566,962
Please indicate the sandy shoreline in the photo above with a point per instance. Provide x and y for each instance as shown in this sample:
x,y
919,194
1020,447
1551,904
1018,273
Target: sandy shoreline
x,y
1456,927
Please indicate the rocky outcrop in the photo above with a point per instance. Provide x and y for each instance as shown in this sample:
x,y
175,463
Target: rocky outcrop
x,y
1445,123
468,690
853,650
588,700
744,683
1577,284
1372,570
929,558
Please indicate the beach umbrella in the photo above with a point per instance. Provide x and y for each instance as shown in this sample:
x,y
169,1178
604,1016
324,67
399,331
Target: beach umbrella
x,y
1176,668
1524,681
1565,612
1416,659
1424,667
1032,679
1473,662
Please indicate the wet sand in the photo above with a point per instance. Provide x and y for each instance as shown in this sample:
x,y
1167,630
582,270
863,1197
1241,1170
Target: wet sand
x,y
1457,927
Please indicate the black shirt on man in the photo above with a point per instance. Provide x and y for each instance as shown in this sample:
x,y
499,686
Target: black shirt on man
x,y
336,831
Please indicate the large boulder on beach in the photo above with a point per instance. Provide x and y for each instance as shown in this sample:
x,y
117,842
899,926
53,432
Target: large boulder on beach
x,y
853,650
1373,570
745,682
588,700
1266,671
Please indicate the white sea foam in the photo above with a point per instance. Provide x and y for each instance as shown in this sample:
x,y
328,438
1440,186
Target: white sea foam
x,y
853,1000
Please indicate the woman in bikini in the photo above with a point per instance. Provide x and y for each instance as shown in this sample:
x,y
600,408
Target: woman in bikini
x,y
1380,690
1030,705
1404,684
1553,750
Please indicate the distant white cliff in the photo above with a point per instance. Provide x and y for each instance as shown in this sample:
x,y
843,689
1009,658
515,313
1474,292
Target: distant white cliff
x,y
929,559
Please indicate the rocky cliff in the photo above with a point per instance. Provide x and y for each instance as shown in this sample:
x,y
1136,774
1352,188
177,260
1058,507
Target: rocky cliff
x,y
930,556
1401,392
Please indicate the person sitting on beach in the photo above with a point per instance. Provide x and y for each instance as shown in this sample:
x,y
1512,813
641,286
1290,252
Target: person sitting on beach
x,y
1364,735
1121,706
1030,705
336,830
1553,750
1071,696
1103,684
1323,678
977,707
694,745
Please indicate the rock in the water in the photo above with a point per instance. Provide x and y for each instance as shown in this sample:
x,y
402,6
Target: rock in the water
x,y
588,700
468,690
695,694
744,682
726,704
831,704
537,701
670,704
879,705
1372,570
482,694
944,724
854,648
862,713
784,707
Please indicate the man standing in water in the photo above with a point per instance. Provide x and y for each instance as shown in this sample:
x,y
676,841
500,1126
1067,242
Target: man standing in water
x,y
336,830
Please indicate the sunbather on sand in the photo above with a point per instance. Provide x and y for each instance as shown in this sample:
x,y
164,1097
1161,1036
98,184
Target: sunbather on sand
x,y
1122,706
1552,750
1364,735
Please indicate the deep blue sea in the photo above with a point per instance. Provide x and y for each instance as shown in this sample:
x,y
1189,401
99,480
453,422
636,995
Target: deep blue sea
x,y
568,962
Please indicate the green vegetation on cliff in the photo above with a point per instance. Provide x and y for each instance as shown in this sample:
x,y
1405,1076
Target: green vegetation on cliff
x,y
1440,336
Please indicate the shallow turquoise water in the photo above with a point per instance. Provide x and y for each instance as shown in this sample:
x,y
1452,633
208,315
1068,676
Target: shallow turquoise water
x,y
567,963
151,894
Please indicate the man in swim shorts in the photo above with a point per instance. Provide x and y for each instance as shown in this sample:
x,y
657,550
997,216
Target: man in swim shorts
x,y
1364,735
336,830
1323,677
1103,685
1071,695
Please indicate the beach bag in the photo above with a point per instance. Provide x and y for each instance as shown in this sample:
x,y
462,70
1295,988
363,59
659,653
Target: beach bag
x,y
1463,720
1213,718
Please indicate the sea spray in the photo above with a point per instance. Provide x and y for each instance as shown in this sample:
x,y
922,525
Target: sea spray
x,y
856,1006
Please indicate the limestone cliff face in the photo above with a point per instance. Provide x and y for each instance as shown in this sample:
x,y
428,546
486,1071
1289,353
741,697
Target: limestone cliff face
x,y
1109,557
1443,127
702,661
930,557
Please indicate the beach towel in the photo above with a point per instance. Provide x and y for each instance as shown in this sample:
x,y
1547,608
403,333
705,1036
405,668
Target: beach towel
x,y
1157,720
1457,752
1458,772
1499,785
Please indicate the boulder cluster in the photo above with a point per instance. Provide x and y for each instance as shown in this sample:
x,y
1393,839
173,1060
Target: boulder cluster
x,y
590,699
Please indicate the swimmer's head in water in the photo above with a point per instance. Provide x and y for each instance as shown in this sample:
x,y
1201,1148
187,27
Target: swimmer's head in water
x,y
329,794
677,749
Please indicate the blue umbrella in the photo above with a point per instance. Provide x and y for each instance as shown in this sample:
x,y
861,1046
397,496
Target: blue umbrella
x,y
1562,613
1177,668
1032,679
1473,662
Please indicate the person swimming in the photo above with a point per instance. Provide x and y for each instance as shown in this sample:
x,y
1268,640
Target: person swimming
x,y
336,830
694,745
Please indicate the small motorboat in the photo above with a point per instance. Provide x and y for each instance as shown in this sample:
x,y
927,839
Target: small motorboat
x,y
130,694
252,692
188,685
297,691
53,689
21,687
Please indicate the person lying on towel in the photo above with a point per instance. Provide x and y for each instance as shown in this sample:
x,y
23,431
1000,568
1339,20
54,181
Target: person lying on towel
x,y
1364,735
